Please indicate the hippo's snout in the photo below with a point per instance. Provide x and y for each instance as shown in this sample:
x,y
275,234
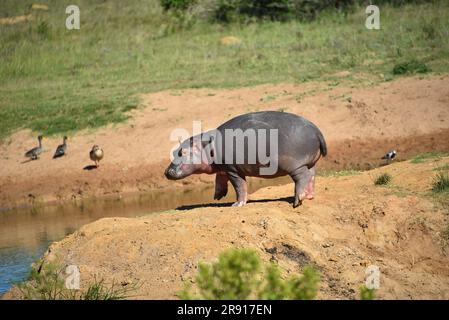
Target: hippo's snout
x,y
170,173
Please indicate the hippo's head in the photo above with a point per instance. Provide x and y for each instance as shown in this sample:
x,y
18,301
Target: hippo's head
x,y
192,156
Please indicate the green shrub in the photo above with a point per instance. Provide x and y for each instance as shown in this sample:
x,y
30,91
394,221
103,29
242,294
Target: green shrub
x,y
441,183
382,179
240,274
410,67
367,294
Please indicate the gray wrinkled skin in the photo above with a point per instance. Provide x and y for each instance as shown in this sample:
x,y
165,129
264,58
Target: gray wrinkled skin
x,y
299,145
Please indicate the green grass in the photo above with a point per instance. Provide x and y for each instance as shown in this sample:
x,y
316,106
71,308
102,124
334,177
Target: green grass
x,y
383,179
54,80
423,157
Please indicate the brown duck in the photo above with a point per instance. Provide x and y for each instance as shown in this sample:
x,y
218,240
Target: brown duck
x,y
96,154
34,153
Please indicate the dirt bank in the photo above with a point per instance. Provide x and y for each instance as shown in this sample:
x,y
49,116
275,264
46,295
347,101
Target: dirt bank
x,y
350,225
360,124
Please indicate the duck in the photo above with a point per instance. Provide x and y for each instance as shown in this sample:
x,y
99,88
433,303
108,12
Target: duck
x,y
96,154
61,149
34,153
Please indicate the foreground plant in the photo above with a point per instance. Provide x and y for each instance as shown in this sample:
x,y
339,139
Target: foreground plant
x,y
240,274
367,294
46,282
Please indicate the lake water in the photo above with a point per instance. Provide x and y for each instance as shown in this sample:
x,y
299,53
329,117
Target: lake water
x,y
25,234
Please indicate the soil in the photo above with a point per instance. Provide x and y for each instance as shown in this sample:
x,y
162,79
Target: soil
x,y
360,124
350,225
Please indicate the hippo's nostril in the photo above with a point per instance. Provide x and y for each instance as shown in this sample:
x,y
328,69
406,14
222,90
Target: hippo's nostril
x,y
170,173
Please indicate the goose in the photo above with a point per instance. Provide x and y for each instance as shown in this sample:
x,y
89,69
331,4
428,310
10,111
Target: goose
x,y
61,149
34,153
96,154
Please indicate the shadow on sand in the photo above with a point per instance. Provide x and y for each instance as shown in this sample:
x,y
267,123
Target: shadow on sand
x,y
228,204
90,167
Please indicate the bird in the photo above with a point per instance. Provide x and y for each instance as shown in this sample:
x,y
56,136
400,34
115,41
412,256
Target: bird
x,y
96,154
61,149
34,153
389,156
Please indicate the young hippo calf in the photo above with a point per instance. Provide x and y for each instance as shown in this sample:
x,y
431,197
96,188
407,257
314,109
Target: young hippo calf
x,y
259,144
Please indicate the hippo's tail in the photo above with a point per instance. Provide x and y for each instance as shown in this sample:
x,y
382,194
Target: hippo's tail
x,y
323,147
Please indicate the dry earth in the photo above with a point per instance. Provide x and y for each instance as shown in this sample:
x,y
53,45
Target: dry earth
x,y
360,124
350,225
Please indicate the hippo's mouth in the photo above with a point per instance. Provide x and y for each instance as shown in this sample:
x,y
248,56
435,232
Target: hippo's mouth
x,y
173,174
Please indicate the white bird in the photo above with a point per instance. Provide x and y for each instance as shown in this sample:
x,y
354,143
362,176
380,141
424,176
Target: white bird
x,y
390,155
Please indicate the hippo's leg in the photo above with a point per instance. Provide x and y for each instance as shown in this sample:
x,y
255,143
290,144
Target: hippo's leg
x,y
241,189
310,190
221,185
301,176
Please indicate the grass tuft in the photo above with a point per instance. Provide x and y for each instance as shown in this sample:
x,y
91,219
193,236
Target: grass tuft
x,y
382,179
441,183
410,67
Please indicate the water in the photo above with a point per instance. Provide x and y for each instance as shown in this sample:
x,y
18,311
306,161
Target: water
x,y
26,233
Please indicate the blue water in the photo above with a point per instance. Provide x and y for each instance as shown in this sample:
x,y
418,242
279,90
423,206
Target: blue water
x,y
15,264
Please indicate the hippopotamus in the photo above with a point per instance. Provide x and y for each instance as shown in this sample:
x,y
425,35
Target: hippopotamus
x,y
238,149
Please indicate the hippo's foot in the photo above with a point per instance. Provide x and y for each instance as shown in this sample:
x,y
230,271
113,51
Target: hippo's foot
x,y
241,189
298,200
239,203
297,203
304,184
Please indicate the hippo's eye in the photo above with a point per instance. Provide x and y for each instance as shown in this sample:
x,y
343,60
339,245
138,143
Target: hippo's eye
x,y
180,153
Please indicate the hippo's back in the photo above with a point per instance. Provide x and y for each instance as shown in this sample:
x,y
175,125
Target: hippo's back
x,y
274,119
299,141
